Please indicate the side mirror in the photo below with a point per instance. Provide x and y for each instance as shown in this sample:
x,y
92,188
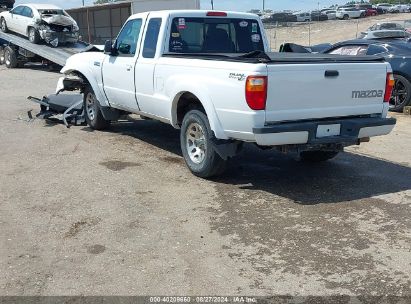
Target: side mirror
x,y
108,47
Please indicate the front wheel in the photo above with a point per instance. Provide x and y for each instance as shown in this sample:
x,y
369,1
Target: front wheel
x,y
94,117
401,94
197,146
346,17
317,156
34,36
10,58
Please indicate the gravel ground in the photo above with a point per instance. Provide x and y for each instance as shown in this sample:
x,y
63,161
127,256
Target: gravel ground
x,y
118,213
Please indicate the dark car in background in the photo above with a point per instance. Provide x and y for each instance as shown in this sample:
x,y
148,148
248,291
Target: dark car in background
x,y
281,18
6,4
396,51
318,16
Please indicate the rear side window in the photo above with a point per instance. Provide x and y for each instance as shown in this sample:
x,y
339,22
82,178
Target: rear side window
x,y
215,35
27,12
151,39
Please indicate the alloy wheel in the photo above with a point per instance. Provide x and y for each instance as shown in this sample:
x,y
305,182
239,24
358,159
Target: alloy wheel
x,y
399,95
91,106
196,143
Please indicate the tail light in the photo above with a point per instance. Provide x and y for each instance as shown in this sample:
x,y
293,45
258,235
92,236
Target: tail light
x,y
389,86
256,92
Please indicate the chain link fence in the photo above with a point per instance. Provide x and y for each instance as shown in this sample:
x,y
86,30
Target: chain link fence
x,y
331,31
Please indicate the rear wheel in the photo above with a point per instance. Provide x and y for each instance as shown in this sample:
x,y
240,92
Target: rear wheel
x,y
3,25
401,94
317,156
10,58
2,60
197,146
34,36
94,117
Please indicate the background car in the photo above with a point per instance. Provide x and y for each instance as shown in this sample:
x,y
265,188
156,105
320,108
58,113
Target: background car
x,y
318,16
384,6
371,12
7,4
349,12
396,51
385,30
303,17
331,14
41,22
282,18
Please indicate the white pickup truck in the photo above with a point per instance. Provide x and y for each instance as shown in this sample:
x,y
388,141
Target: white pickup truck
x,y
211,74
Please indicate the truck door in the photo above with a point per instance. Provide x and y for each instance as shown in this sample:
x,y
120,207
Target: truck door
x,y
145,68
118,67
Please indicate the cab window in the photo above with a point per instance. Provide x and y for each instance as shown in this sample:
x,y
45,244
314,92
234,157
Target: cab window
x,y
215,35
126,43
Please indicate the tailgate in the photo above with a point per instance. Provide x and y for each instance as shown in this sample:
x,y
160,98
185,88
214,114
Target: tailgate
x,y
324,90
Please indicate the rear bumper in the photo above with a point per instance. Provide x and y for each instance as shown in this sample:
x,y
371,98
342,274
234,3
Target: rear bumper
x,y
350,130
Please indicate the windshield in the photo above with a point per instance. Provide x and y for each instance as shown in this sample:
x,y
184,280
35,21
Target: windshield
x,y
215,35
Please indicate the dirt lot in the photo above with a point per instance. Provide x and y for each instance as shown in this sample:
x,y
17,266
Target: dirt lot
x,y
331,31
117,212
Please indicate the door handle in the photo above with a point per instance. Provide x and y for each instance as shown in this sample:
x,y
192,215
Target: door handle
x,y
128,67
331,73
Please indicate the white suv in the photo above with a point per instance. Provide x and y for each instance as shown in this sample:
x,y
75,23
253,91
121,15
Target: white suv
x,y
347,13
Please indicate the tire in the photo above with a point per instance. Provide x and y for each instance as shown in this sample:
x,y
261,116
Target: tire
x,y
317,156
34,36
2,61
10,58
3,26
93,115
401,95
346,17
197,147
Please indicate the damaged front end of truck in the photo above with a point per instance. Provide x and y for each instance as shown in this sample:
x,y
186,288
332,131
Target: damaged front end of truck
x,y
57,28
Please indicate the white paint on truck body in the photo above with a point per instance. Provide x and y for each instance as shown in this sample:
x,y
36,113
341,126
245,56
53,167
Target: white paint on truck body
x,y
297,92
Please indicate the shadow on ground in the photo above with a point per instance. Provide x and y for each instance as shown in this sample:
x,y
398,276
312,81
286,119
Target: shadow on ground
x,y
346,178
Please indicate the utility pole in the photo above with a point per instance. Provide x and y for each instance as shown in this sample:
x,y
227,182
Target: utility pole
x,y
83,2
212,4
263,6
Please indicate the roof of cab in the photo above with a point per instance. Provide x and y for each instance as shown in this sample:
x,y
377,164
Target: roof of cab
x,y
200,13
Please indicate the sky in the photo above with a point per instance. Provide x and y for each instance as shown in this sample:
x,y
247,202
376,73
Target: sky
x,y
232,5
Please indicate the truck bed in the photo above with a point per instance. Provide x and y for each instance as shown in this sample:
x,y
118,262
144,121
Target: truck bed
x,y
274,57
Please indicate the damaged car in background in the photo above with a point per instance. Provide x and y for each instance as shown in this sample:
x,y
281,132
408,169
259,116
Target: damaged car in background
x,y
41,22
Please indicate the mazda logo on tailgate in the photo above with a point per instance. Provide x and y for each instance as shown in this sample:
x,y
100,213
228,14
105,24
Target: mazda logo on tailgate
x,y
367,94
